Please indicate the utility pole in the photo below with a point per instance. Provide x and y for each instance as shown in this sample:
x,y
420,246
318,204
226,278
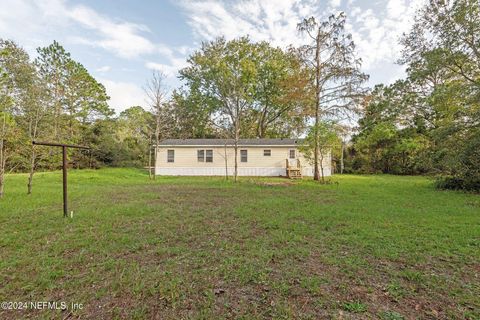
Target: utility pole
x,y
64,168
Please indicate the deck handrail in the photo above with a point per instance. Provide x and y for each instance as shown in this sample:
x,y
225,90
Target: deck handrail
x,y
289,166
294,171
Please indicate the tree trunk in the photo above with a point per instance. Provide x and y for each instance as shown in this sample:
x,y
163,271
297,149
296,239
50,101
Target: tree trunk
x,y
1,183
263,130
226,162
236,161
237,134
260,131
316,174
321,167
2,156
262,123
157,134
154,162
2,168
150,160
341,158
32,170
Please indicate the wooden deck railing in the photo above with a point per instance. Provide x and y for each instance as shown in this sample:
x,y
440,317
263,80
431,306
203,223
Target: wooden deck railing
x,y
293,171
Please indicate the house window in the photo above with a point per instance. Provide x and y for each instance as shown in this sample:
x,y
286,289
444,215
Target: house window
x,y
205,155
292,154
267,152
208,155
201,155
243,155
170,155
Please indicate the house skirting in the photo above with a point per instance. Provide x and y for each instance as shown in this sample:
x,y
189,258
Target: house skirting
x,y
242,171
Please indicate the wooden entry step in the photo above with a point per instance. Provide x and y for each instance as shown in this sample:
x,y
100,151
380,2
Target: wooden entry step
x,y
294,171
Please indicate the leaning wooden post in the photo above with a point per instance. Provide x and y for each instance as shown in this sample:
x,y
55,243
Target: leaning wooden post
x,y
64,168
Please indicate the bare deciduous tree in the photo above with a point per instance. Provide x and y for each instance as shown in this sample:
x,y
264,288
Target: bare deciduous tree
x,y
34,112
343,132
156,92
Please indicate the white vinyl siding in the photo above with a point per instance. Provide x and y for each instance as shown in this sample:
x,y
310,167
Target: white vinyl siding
x,y
186,161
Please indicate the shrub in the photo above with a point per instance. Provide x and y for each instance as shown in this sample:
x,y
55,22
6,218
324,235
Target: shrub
x,y
463,165
458,183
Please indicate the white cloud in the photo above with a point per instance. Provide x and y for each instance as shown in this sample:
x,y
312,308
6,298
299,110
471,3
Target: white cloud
x,y
122,38
171,69
376,30
167,70
36,20
275,21
31,21
123,94
396,8
377,34
103,69
335,3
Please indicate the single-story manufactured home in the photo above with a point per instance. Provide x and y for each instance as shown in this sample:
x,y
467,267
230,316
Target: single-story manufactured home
x,y
216,157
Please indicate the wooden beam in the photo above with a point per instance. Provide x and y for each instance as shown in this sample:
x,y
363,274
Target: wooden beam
x,y
64,168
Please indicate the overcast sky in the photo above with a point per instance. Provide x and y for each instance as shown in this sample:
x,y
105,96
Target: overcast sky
x,y
121,41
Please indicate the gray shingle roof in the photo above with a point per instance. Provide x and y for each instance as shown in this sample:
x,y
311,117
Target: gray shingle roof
x,y
221,142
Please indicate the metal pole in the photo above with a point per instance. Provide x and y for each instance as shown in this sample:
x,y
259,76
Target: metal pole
x,y
65,205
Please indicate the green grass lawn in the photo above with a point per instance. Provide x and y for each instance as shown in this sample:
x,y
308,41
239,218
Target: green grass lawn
x,y
381,247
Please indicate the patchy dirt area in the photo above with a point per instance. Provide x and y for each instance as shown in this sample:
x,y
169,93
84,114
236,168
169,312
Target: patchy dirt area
x,y
286,183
